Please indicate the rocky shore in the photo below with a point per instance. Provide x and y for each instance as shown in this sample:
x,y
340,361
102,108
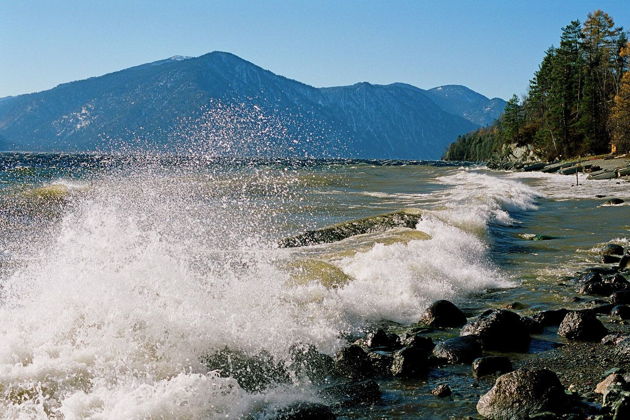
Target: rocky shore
x,y
569,362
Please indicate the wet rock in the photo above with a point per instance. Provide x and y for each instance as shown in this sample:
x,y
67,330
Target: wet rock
x,y
610,259
381,339
456,350
354,363
418,341
500,330
521,393
613,378
612,249
443,314
624,262
441,391
381,362
582,326
410,362
305,411
621,311
604,286
620,297
533,326
491,365
550,318
253,373
307,361
617,401
614,202
353,393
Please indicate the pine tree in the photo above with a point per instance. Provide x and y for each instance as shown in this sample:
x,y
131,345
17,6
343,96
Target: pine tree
x,y
619,121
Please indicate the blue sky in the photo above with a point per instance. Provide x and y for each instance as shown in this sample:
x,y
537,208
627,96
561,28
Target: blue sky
x,y
491,46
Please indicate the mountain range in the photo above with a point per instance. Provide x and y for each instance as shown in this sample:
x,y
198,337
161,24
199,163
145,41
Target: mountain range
x,y
229,106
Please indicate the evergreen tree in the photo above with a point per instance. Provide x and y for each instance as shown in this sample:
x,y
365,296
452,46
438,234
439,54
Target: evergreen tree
x,y
619,121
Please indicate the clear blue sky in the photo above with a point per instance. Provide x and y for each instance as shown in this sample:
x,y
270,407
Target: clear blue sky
x,y
492,46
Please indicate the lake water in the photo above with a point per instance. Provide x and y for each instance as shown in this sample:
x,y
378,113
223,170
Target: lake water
x,y
119,274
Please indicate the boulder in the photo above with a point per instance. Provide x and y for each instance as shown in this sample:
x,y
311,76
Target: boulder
x,y
441,391
621,297
410,362
354,363
353,393
519,394
614,202
624,262
500,330
613,378
305,411
550,318
612,249
443,314
419,342
491,365
381,339
621,311
456,350
604,286
582,326
533,326
381,362
307,362
252,372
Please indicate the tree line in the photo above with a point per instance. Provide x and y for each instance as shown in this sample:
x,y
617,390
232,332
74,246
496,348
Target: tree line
x,y
578,102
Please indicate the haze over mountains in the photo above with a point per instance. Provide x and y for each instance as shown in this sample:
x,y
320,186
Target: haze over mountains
x,y
230,106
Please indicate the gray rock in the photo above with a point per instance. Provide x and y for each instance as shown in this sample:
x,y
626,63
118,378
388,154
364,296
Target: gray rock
x,y
382,339
500,330
491,365
381,362
456,350
443,314
522,393
582,326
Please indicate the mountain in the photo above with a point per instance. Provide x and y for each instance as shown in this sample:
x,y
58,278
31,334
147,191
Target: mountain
x,y
467,103
233,107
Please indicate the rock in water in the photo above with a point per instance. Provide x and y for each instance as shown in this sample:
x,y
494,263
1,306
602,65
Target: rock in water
x,y
500,330
381,339
441,391
410,362
582,326
459,349
519,394
620,297
612,249
550,318
443,314
491,365
614,202
621,311
354,363
353,393
305,411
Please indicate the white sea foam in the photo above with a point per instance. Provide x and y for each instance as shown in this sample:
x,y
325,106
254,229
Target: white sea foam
x,y
139,281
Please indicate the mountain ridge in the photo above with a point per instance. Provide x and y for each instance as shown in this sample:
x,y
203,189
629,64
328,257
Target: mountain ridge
x,y
149,103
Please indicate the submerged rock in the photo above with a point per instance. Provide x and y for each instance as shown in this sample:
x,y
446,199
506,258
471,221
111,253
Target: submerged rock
x,y
582,326
305,411
521,393
443,314
491,365
459,349
408,218
500,330
354,363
